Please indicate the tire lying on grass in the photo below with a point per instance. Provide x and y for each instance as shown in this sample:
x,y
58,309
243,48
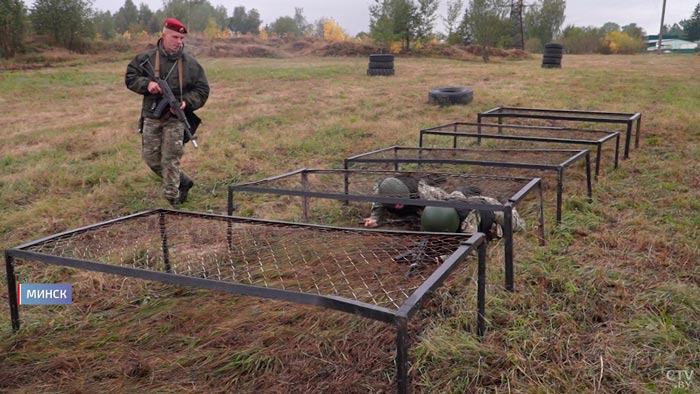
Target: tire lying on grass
x,y
450,96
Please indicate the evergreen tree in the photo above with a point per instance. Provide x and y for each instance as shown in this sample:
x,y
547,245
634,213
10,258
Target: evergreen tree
x,y
67,22
126,18
424,18
13,17
544,19
691,27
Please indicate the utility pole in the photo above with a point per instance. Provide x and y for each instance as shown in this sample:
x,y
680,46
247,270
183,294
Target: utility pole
x,y
661,29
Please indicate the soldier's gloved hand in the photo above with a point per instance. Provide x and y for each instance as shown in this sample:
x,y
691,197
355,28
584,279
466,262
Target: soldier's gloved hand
x,y
371,222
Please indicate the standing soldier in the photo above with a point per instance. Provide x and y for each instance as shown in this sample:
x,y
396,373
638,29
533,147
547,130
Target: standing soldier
x,y
163,134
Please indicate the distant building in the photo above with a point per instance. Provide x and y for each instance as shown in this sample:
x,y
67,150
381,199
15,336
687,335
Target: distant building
x,y
671,43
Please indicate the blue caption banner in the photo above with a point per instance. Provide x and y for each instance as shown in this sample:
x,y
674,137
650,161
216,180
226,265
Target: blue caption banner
x,y
44,294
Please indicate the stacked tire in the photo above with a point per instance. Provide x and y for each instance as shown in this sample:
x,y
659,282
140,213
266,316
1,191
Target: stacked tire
x,y
553,53
381,64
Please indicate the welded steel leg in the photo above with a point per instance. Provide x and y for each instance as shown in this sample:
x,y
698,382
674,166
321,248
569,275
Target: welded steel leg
x,y
481,292
164,242
540,213
597,160
639,131
589,184
628,137
560,191
508,245
401,356
229,206
305,199
12,291
617,150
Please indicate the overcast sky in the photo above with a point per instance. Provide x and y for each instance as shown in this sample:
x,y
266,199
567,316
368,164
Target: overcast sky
x,y
353,15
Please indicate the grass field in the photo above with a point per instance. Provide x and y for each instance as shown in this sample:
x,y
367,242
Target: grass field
x,y
610,305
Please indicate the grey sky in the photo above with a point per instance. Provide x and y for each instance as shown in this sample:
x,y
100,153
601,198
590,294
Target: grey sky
x,y
353,15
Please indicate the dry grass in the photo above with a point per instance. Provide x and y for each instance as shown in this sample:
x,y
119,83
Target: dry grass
x,y
608,306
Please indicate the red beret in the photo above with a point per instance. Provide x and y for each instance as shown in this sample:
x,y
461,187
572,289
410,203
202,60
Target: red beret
x,y
176,25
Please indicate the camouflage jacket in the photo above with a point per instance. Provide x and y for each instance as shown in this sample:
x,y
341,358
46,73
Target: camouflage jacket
x,y
470,219
194,82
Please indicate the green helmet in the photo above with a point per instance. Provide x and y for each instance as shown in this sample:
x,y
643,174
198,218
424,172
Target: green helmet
x,y
393,187
439,219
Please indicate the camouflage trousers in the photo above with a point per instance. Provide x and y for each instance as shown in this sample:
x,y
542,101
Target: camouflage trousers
x,y
161,149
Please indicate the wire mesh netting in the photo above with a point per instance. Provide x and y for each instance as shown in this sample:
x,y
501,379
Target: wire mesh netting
x,y
375,267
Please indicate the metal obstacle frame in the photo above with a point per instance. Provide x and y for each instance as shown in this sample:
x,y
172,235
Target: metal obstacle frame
x,y
626,118
267,186
398,317
422,156
598,137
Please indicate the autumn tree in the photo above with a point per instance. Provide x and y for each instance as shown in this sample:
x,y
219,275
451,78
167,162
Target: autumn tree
x,y
333,32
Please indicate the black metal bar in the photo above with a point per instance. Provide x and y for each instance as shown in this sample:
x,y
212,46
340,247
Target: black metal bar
x,y
481,291
508,246
540,213
597,161
411,305
560,191
12,291
617,150
164,242
402,383
628,136
363,309
88,228
305,198
639,129
368,198
454,139
589,185
573,115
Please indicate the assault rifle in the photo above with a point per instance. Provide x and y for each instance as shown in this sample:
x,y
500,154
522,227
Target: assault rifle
x,y
169,100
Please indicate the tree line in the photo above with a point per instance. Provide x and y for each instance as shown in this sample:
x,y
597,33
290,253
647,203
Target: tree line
x,y
404,24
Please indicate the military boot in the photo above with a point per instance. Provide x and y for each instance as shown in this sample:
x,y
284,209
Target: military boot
x,y
185,185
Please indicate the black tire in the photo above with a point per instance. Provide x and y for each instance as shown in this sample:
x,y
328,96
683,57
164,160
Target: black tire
x,y
385,65
450,96
373,72
553,51
551,58
382,58
553,45
551,65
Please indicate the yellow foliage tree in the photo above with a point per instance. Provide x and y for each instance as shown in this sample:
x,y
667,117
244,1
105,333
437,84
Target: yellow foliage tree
x,y
211,31
264,35
333,32
621,43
